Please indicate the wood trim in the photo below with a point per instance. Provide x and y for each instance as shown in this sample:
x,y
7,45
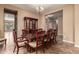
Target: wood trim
x,y
68,41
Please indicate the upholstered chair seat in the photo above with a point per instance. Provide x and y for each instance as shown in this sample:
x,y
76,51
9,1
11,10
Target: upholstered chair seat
x,y
21,44
32,44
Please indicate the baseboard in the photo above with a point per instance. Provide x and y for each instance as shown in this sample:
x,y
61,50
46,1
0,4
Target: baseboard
x,y
77,46
71,43
68,41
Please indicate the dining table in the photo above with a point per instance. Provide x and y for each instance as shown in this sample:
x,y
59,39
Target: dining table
x,y
32,36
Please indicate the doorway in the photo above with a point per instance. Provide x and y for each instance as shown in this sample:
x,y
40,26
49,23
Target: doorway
x,y
10,23
55,21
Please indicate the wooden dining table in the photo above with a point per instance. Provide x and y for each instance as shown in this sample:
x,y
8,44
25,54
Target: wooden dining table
x,y
31,38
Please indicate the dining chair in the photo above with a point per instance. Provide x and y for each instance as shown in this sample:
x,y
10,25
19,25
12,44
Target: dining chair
x,y
25,32
39,41
40,29
35,30
47,40
55,36
18,41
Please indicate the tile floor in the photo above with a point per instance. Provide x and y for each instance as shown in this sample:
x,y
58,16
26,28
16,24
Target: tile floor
x,y
59,48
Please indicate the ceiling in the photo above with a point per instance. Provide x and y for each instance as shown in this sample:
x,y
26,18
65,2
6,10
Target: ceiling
x,y
32,7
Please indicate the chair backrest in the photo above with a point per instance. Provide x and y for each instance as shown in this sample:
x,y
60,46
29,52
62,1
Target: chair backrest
x,y
49,34
24,32
40,29
15,37
55,32
36,30
40,37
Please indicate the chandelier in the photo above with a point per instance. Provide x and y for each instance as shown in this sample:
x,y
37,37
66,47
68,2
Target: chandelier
x,y
39,9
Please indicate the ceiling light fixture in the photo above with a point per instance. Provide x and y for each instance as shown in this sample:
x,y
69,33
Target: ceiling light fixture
x,y
39,9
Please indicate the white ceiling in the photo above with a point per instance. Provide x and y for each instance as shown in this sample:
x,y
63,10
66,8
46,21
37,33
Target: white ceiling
x,y
32,7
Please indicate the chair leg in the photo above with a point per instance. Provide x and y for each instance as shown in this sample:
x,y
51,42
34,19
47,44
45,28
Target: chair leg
x,y
27,46
36,50
14,49
5,42
47,45
50,42
55,40
30,49
43,49
17,50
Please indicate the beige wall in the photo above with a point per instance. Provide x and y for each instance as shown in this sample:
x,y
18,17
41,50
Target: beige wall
x,y
68,11
76,14
68,17
21,13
